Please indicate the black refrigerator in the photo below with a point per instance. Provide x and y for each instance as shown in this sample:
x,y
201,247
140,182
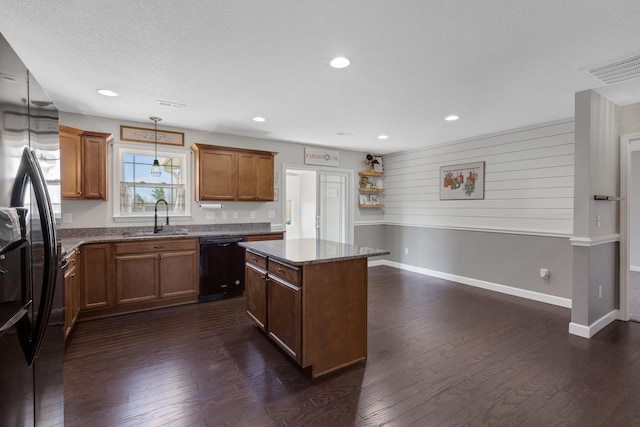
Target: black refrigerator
x,y
31,290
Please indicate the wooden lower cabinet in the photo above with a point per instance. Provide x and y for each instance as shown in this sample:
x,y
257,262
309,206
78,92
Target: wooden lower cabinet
x,y
284,316
96,291
140,275
71,293
261,237
256,292
317,313
136,278
179,273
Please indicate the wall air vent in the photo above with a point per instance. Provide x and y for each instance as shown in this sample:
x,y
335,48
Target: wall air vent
x,y
170,104
617,71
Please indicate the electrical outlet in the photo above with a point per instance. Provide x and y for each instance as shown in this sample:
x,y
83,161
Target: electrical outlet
x,y
406,251
600,291
252,215
598,221
211,215
223,215
67,218
271,214
544,273
234,214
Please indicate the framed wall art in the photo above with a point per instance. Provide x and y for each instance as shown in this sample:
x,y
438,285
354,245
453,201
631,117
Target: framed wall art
x,y
462,182
134,134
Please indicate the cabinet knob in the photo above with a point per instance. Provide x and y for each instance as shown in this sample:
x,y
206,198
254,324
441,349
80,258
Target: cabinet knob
x,y
280,270
73,274
263,277
254,259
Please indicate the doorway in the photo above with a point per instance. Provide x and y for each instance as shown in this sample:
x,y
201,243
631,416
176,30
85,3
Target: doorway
x,y
317,204
630,227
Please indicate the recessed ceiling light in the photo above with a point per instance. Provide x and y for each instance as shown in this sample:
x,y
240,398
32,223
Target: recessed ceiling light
x,y
383,136
345,133
259,119
340,62
107,92
451,118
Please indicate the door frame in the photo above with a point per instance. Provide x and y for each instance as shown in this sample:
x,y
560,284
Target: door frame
x,y
349,196
628,143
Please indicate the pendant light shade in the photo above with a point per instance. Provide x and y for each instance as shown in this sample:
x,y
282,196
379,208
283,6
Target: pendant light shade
x,y
155,169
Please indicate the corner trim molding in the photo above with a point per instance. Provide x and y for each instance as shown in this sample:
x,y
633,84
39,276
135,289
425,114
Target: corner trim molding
x,y
509,290
589,331
588,242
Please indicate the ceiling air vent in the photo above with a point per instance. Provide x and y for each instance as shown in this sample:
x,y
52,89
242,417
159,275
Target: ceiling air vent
x,y
620,70
170,104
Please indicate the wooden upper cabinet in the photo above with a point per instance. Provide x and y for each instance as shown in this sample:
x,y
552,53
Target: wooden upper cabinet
x,y
94,170
255,177
84,163
226,173
216,174
71,162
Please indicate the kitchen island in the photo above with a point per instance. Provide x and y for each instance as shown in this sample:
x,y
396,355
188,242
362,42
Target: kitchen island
x,y
310,297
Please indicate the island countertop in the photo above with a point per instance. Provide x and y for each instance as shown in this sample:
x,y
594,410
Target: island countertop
x,y
311,251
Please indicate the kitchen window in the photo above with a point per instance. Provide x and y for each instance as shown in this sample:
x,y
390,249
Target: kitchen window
x,y
138,190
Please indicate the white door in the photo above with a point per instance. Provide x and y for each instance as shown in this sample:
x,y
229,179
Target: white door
x,y
317,204
332,219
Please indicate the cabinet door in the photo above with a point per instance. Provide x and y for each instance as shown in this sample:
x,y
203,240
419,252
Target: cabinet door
x,y
284,315
256,295
94,171
70,165
69,300
178,272
96,288
264,183
216,175
136,277
255,177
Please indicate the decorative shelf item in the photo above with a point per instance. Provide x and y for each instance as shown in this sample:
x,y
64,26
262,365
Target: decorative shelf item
x,y
370,187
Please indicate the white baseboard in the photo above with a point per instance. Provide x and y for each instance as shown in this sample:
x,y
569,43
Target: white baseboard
x,y
535,296
376,263
589,331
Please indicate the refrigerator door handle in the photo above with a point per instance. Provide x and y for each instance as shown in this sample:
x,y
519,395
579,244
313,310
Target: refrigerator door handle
x,y
31,336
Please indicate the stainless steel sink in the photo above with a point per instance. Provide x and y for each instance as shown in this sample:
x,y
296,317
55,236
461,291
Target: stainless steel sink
x,y
173,232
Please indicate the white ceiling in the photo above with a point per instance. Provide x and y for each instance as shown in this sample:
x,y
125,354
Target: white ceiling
x,y
498,64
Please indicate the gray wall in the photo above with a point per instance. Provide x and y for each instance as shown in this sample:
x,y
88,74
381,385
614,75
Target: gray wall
x,y
596,224
500,258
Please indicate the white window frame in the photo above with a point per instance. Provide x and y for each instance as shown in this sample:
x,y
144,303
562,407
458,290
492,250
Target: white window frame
x,y
118,177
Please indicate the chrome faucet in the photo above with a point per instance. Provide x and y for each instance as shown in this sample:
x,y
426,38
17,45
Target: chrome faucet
x,y
155,215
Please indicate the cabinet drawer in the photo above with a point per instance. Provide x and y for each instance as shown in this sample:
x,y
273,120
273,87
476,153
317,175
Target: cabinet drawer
x,y
255,259
156,246
72,258
284,271
262,237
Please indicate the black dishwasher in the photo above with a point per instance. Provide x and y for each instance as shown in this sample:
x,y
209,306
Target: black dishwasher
x,y
221,268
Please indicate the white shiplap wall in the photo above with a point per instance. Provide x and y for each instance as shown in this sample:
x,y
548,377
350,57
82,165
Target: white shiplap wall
x,y
528,182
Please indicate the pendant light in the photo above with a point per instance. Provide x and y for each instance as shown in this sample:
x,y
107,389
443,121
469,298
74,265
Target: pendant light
x,y
155,170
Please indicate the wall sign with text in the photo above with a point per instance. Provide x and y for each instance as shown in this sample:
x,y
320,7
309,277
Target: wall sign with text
x,y
319,156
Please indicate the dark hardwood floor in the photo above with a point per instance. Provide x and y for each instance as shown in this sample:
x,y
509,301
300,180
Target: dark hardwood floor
x,y
439,354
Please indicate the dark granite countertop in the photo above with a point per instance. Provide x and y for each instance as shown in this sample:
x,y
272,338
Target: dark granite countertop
x,y
74,237
311,251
